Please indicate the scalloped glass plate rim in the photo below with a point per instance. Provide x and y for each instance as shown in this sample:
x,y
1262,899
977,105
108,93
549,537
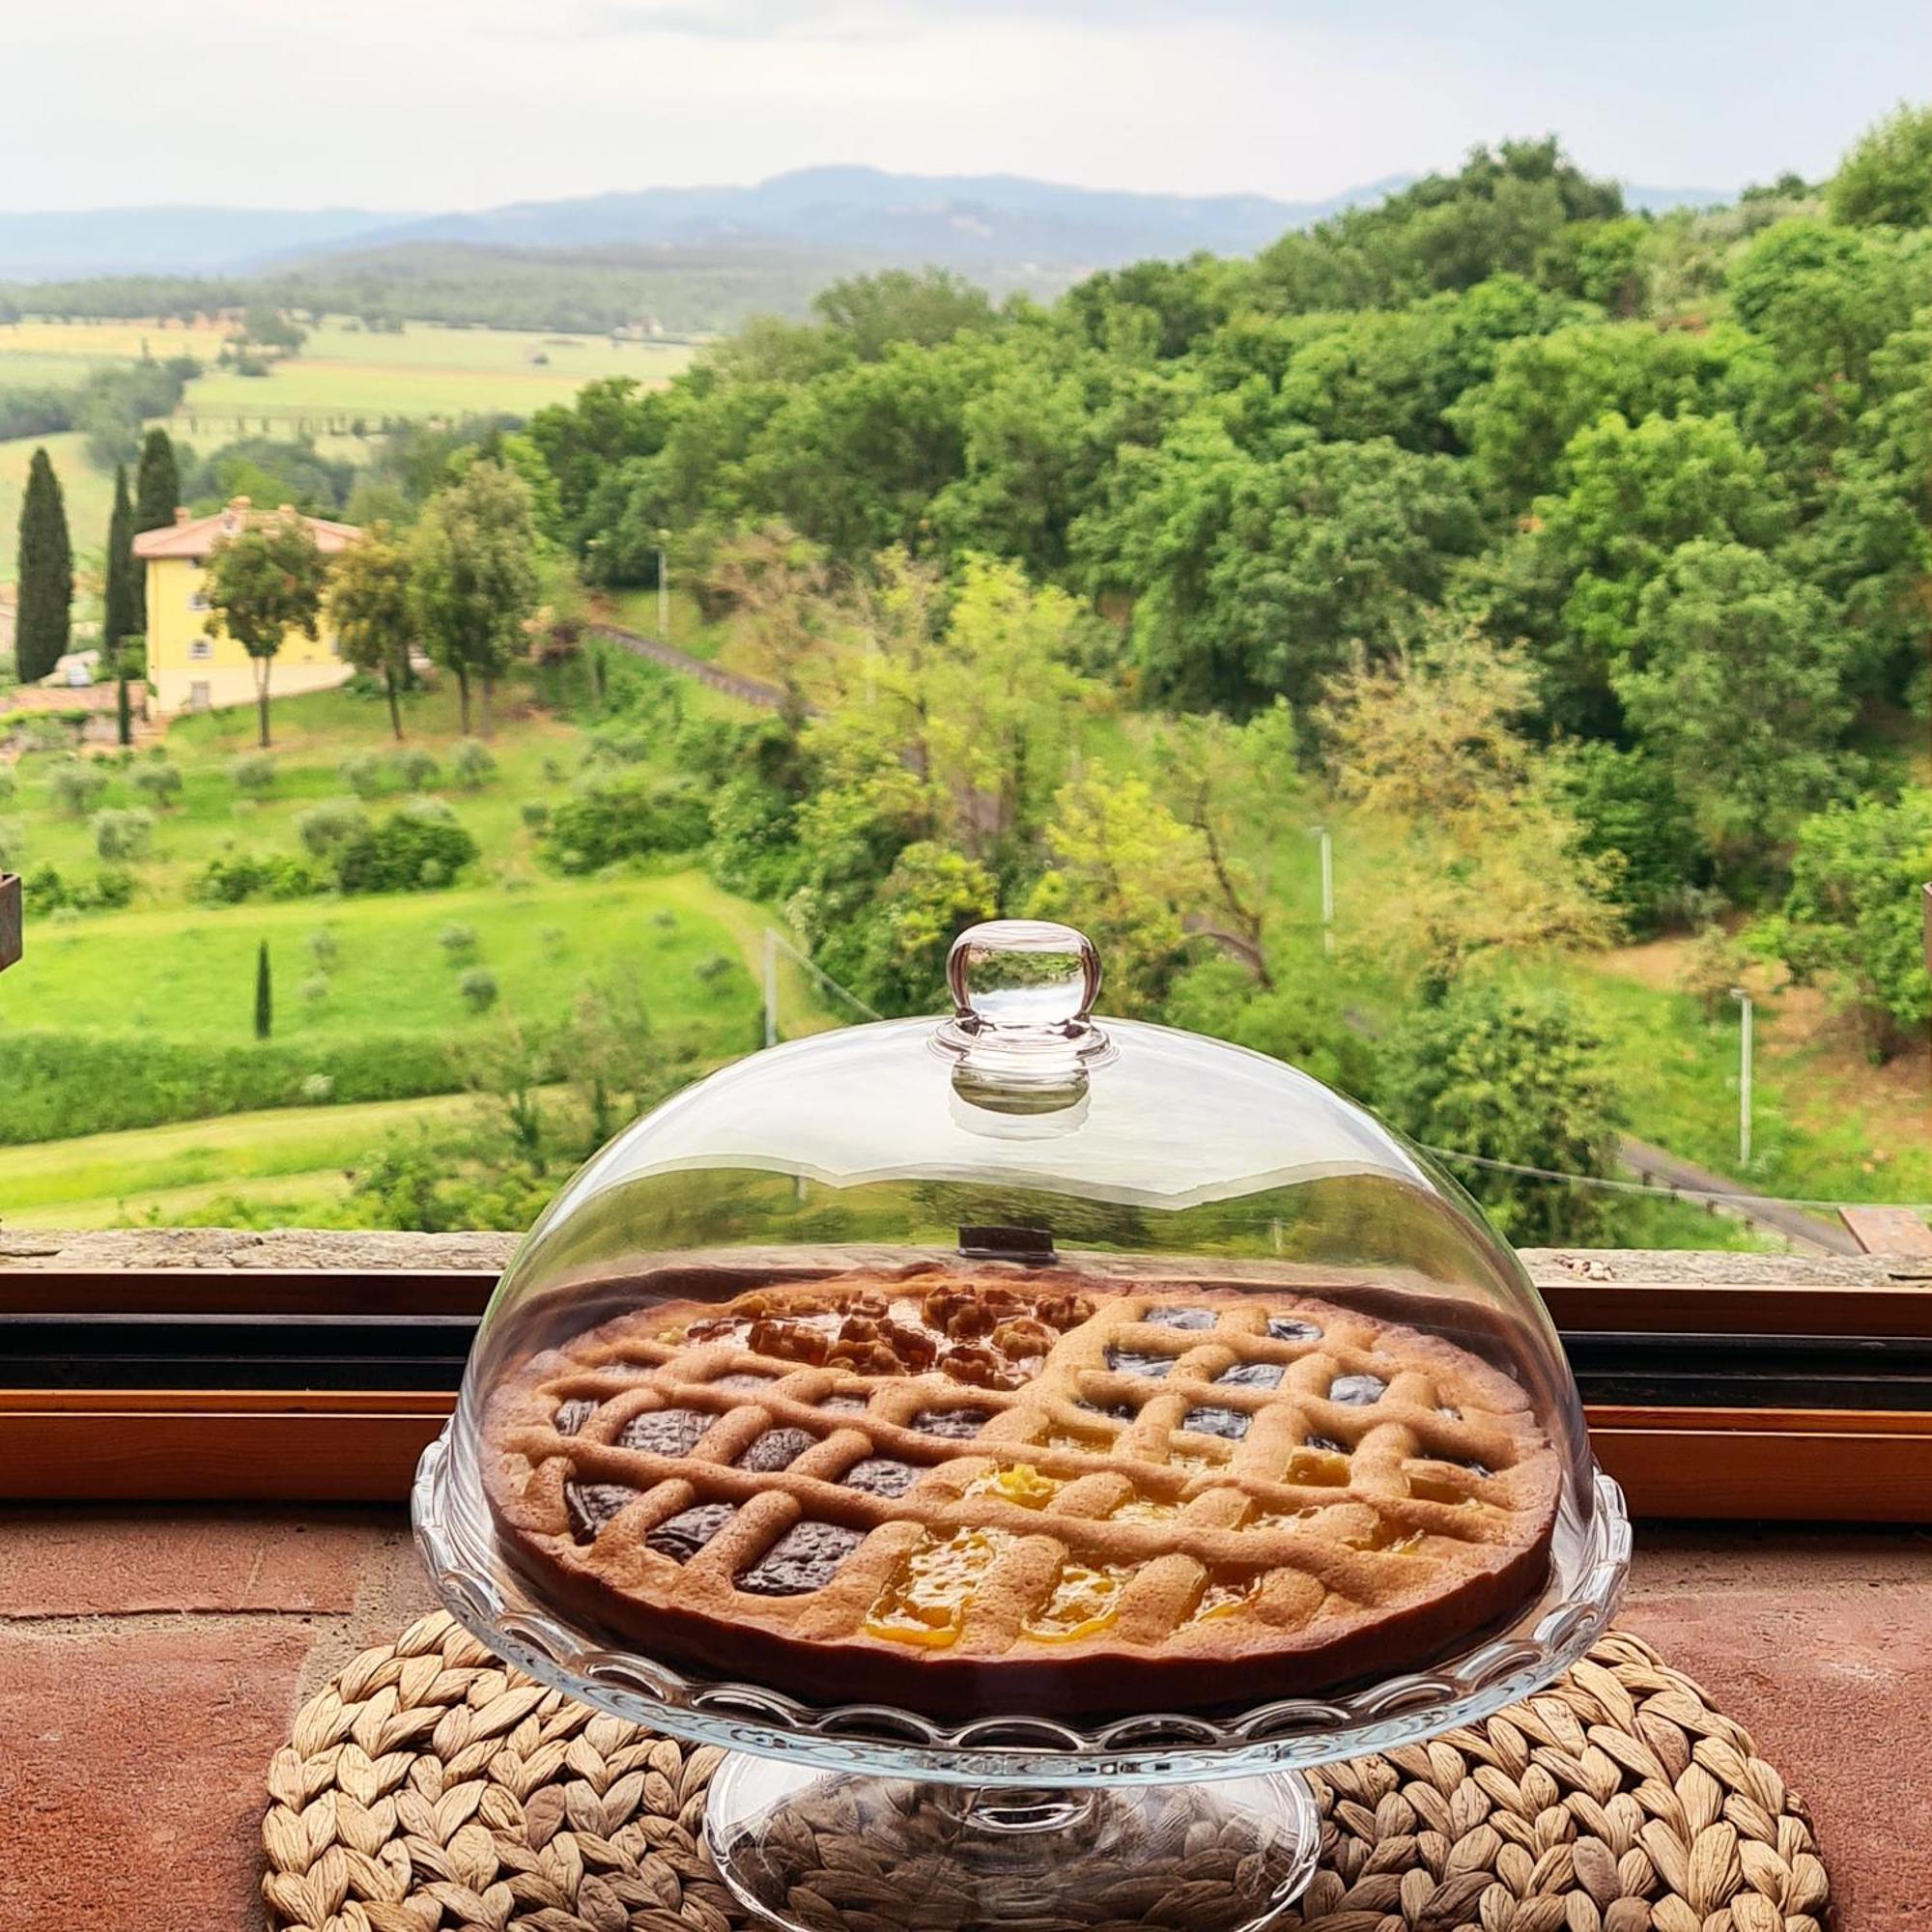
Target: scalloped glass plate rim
x,y
1575,1609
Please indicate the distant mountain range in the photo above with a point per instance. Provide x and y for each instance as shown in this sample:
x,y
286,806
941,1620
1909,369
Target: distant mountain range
x,y
974,223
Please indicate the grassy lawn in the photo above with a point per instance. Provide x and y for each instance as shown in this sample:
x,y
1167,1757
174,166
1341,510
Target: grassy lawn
x,y
296,1153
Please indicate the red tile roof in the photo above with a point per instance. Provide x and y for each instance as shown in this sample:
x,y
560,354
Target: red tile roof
x,y
193,537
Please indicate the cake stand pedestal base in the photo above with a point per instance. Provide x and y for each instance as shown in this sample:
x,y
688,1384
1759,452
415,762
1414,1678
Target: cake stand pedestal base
x,y
819,1851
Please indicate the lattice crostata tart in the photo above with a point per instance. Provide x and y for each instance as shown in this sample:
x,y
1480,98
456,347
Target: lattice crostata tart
x,y
973,1489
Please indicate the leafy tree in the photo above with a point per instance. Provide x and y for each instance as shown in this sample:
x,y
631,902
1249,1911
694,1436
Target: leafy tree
x,y
776,584
1255,580
1630,815
1854,915
44,570
1886,181
265,993
1823,298
120,608
474,578
1514,1076
920,306
1483,852
1631,496
371,609
265,580
1735,676
1129,872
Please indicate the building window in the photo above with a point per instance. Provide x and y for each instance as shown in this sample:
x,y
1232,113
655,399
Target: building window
x,y
198,697
197,600
201,648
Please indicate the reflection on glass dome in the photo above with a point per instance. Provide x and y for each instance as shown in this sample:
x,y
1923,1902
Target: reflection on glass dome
x,y
1022,1363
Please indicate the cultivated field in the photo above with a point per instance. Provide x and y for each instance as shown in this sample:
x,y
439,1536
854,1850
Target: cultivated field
x,y
345,375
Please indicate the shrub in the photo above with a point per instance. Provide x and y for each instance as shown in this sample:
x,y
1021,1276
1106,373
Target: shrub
x,y
478,987
314,989
553,938
365,773
253,776
1515,1075
62,1084
162,784
12,844
230,877
624,815
471,764
124,835
48,891
334,822
458,942
713,966
316,1090
6,786
415,767
536,813
323,948
76,786
410,851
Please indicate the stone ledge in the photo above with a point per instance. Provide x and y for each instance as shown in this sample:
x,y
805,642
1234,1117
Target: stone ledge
x,y
295,1249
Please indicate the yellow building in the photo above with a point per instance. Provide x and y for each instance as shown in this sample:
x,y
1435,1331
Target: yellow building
x,y
191,668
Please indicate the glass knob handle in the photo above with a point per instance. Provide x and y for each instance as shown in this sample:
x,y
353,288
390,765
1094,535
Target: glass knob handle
x,y
1023,975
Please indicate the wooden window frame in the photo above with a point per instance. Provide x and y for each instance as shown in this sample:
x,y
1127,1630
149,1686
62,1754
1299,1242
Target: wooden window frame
x,y
1842,1464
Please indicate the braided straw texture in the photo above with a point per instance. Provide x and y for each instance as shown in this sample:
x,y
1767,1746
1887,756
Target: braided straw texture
x,y
429,1789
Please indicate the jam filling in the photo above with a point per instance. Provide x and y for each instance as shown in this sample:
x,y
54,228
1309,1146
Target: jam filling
x,y
925,1603
1086,1598
805,1558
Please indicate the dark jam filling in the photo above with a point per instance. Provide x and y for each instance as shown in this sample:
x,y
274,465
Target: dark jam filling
x,y
591,1505
570,1416
881,1476
1253,1376
1180,1317
664,1432
805,1558
1291,1328
1231,1423
682,1536
1358,1391
1131,1362
955,1424
775,1449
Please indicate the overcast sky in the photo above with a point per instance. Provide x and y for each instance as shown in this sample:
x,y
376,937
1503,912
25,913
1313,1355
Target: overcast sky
x,y
424,104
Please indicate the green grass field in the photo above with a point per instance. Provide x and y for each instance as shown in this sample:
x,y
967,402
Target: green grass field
x,y
298,1155
89,495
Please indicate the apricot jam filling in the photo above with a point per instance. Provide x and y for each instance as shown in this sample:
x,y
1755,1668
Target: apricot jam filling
x,y
926,1599
1016,1483
1223,1595
1086,1598
1319,1469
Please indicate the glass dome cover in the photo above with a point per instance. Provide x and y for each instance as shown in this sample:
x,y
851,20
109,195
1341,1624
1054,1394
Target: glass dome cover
x,y
1021,1364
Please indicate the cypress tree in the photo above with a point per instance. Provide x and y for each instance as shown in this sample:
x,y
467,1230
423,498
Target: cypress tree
x,y
265,999
44,570
118,619
156,483
156,491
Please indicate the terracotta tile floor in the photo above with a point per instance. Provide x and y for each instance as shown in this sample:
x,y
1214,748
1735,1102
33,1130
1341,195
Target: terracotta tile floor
x,y
150,1663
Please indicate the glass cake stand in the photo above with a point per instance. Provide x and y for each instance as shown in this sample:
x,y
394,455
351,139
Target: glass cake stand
x,y
868,1816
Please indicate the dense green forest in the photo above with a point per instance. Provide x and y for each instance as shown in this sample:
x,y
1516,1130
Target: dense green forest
x,y
1573,561
1581,556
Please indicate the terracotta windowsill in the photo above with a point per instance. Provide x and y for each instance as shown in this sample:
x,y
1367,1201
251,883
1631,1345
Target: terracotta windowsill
x,y
151,1664
152,1657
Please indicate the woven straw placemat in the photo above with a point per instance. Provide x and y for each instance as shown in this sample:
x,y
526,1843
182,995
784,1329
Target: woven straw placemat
x,y
430,1789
